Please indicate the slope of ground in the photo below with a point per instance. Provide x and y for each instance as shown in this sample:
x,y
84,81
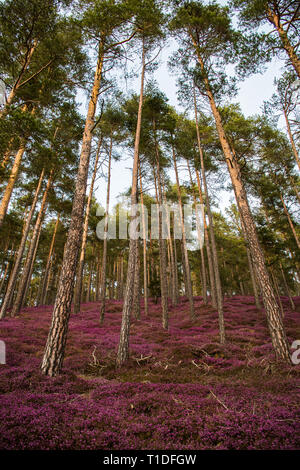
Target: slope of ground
x,y
180,389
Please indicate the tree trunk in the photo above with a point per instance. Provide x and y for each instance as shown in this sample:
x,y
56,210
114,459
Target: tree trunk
x,y
26,270
212,233
291,138
4,277
11,182
290,221
47,269
56,342
174,289
144,246
202,272
13,277
290,50
211,273
104,258
18,83
251,268
287,288
275,323
136,288
123,349
189,290
78,285
28,283
162,247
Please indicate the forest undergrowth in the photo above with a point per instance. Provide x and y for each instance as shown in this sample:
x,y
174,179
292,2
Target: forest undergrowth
x,y
180,389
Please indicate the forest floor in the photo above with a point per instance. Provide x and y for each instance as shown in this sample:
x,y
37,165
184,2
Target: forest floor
x,y
180,389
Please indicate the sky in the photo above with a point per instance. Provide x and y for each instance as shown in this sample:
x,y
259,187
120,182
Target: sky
x,y
252,93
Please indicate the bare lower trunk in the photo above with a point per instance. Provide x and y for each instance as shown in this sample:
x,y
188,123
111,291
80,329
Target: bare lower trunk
x,y
290,222
162,249
15,272
290,134
28,283
202,273
287,288
211,273
251,268
212,233
274,318
26,270
104,258
56,342
48,263
4,277
123,349
144,247
189,290
78,285
174,291
136,289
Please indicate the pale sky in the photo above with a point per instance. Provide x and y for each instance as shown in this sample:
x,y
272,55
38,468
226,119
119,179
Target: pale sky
x,y
252,93
251,96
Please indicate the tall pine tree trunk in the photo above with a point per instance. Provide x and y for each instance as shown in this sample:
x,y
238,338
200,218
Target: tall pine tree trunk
x,y
104,258
15,272
189,291
123,349
274,18
78,285
27,267
212,233
11,181
287,288
211,273
162,249
292,141
290,221
275,323
27,59
48,264
144,246
56,342
203,272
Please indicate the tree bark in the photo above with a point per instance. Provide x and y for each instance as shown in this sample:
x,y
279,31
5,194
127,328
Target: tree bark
x,y
202,272
162,247
290,50
55,347
18,83
276,328
11,181
211,273
292,141
48,263
104,258
212,233
13,277
123,349
78,285
35,236
144,246
290,221
287,288
189,290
